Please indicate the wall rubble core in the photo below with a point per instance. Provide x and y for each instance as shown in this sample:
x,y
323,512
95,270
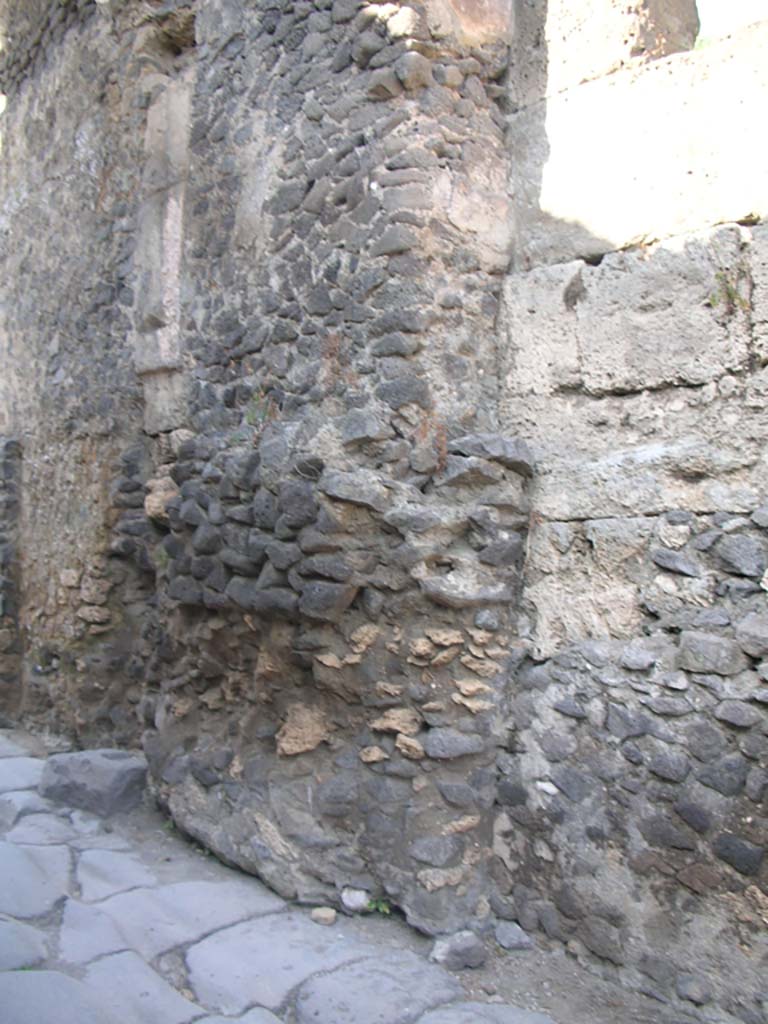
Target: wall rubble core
x,y
417,531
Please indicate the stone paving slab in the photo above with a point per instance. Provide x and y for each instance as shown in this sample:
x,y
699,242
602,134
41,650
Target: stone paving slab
x,y
87,933
20,773
9,748
155,920
261,961
103,873
41,830
257,1016
48,997
32,879
403,984
131,990
20,946
484,1013
16,804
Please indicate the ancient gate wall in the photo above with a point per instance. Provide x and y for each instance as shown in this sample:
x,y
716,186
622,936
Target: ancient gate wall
x,y
632,822
391,401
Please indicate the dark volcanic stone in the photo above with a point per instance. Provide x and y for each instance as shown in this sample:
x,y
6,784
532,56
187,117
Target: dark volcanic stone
x,y
742,555
707,652
445,744
704,741
674,561
326,601
602,939
247,594
658,831
206,540
623,723
402,391
185,591
737,713
283,555
742,855
670,765
509,451
436,850
297,504
694,815
727,775
264,509
575,784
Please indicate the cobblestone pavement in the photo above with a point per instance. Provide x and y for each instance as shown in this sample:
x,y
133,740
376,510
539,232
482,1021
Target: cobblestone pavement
x,y
116,921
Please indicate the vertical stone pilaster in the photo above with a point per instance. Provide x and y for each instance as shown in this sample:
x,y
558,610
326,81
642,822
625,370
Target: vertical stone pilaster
x,y
156,337
10,638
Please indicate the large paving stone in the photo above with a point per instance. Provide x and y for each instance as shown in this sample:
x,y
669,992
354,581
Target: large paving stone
x,y
9,748
87,933
20,946
393,988
102,873
257,1016
483,1013
20,773
41,830
261,961
102,781
156,920
15,805
32,879
47,997
132,991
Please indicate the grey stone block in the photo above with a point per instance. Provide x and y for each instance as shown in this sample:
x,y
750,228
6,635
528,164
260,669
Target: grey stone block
x,y
742,555
359,488
511,936
462,949
752,634
102,781
707,652
446,744
261,961
389,989
45,997
737,713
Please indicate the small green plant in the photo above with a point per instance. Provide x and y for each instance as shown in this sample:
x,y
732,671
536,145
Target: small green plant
x,y
728,292
161,558
377,905
260,410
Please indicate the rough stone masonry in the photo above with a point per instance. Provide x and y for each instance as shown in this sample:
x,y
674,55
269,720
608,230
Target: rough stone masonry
x,y
383,415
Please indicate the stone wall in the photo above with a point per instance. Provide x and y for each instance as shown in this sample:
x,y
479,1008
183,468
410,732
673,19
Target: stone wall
x,y
413,522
